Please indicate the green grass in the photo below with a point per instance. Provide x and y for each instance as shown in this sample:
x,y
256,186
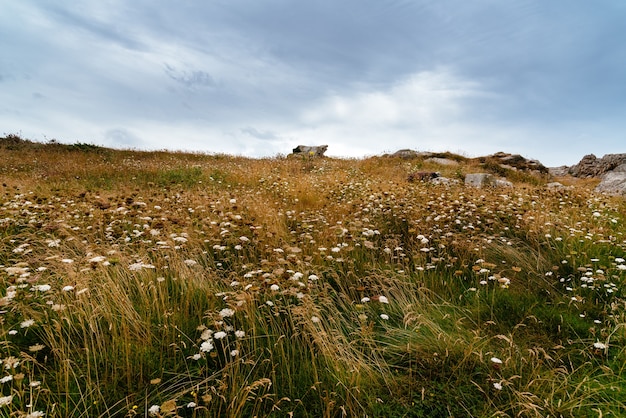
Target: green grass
x,y
214,286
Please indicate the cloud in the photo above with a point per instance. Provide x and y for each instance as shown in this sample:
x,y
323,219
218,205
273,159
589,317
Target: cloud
x,y
190,79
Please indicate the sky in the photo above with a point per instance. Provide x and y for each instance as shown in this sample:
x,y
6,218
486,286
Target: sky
x,y
544,79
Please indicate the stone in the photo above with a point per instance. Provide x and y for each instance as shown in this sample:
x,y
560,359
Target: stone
x,y
481,180
441,161
559,171
514,162
613,182
422,176
591,166
313,151
444,181
409,153
556,186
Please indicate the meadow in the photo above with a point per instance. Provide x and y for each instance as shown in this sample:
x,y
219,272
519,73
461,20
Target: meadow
x,y
174,284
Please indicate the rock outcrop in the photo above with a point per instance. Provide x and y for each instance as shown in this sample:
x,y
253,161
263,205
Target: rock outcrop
x,y
481,180
514,162
591,166
611,169
613,182
313,151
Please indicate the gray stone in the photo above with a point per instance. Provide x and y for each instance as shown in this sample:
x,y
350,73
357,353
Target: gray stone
x,y
313,151
444,181
613,182
479,179
441,161
591,166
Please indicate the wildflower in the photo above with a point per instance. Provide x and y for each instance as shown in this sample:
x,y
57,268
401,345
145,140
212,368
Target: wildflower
x,y
36,347
67,261
206,346
619,260
27,323
383,299
599,346
12,332
154,410
365,299
227,312
384,316
191,405
34,383
497,386
68,288
42,287
190,263
234,353
219,335
35,414
97,259
269,303
315,319
197,356
496,362
274,287
6,378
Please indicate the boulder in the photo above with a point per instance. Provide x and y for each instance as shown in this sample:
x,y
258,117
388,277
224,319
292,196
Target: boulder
x,y
613,182
444,181
441,161
408,154
313,151
591,166
481,180
422,176
555,186
559,171
514,162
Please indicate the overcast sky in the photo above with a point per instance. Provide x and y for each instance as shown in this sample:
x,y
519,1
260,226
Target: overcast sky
x,y
542,78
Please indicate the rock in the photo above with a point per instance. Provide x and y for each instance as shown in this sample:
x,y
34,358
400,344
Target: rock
x,y
479,179
441,161
613,182
422,176
485,180
444,181
409,153
591,166
555,186
514,162
313,151
502,183
559,171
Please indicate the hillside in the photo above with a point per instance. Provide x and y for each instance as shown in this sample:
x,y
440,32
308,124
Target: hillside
x,y
171,284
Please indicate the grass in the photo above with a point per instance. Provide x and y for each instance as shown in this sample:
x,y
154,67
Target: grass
x,y
170,284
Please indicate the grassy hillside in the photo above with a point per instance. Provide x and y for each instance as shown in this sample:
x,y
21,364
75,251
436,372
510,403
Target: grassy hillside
x,y
165,284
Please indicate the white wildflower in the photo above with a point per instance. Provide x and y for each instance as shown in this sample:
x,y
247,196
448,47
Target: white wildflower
x,y
219,335
154,410
206,346
384,316
27,323
227,312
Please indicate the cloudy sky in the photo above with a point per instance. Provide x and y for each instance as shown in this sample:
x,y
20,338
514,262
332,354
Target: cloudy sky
x,y
545,79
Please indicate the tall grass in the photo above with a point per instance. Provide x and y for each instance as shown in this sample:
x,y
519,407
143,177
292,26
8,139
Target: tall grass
x,y
170,284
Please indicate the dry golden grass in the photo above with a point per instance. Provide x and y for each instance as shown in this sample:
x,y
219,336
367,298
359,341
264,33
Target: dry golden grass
x,y
165,284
